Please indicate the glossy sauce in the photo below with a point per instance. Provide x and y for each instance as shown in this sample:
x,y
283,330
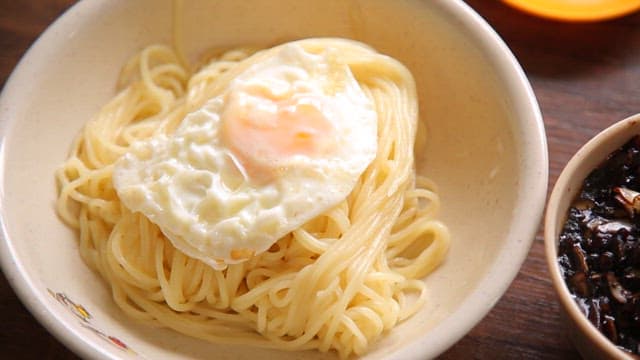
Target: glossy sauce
x,y
599,247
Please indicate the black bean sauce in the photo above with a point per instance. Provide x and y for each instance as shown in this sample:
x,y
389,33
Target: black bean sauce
x,y
599,249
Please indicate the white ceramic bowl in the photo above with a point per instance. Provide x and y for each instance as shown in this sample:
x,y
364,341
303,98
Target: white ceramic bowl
x,y
486,150
587,339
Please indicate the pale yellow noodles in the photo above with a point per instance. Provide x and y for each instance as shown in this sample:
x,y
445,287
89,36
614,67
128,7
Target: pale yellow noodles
x,y
337,283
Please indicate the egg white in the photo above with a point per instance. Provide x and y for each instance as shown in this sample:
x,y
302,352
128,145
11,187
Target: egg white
x,y
213,204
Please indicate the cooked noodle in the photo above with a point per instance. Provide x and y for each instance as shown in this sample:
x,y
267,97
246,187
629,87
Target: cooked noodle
x,y
337,283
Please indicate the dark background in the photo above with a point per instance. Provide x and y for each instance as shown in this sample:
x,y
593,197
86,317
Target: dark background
x,y
585,76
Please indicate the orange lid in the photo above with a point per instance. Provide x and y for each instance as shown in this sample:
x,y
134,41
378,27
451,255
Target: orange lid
x,y
577,10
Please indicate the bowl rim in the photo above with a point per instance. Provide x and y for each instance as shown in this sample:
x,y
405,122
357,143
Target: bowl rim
x,y
21,283
601,145
536,180
532,189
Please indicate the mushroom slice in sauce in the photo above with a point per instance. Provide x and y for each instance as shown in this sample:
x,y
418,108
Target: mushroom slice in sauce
x,y
629,199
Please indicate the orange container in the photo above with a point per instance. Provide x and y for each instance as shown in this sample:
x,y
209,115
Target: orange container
x,y
577,10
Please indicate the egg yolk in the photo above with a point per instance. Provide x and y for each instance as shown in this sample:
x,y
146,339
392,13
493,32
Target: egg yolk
x,y
264,130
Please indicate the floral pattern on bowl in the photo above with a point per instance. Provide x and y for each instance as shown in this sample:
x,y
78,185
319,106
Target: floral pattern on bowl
x,y
86,320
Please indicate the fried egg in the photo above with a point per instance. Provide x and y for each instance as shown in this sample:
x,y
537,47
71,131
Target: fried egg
x,y
286,141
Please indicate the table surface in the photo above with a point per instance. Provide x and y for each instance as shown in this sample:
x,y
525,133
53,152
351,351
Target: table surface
x,y
585,76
